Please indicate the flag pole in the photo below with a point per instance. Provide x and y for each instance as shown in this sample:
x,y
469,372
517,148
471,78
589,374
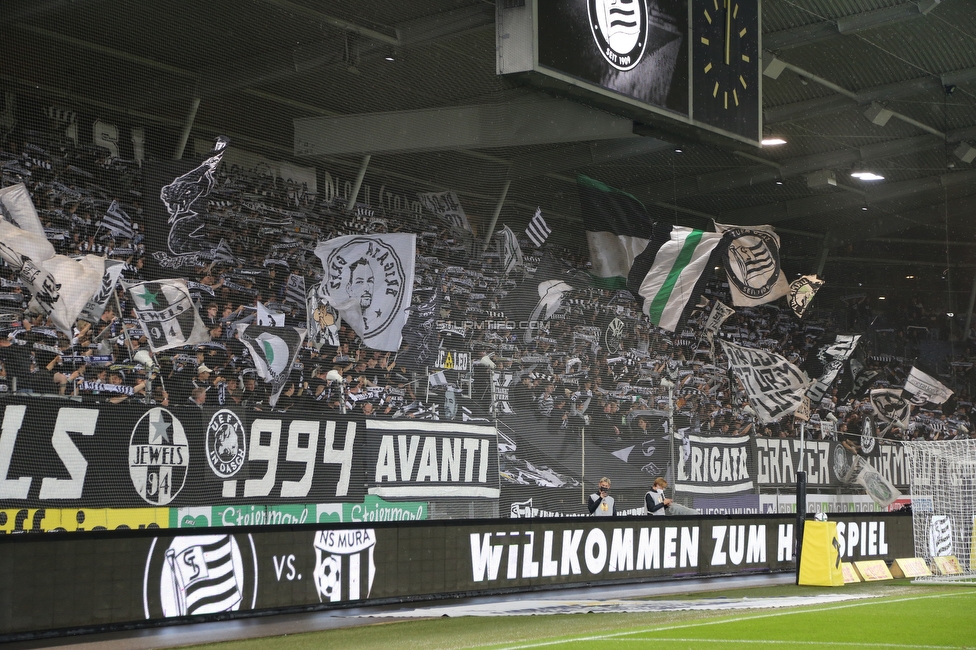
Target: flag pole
x,y
583,465
674,468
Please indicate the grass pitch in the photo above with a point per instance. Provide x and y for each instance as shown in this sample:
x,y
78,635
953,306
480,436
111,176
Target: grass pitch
x,y
898,615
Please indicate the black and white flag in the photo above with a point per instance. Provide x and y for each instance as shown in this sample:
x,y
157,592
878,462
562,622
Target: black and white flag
x,y
60,286
369,281
267,318
509,249
273,350
420,332
223,254
446,206
890,408
117,222
921,387
774,385
166,312
538,231
323,322
95,306
802,291
832,358
719,314
295,290
879,488
753,265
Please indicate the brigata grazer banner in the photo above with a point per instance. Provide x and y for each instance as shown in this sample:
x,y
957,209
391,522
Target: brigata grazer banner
x,y
86,579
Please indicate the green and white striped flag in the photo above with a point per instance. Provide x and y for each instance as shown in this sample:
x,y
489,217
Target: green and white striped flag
x,y
677,275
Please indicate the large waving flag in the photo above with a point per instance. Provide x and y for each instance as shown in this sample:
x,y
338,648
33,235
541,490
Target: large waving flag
x,y
674,280
446,206
273,350
617,229
369,281
538,230
116,221
60,286
775,386
755,274
509,249
17,207
536,299
166,312
921,387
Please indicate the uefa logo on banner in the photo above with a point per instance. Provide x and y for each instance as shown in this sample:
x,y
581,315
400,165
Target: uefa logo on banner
x,y
226,443
344,564
159,456
200,574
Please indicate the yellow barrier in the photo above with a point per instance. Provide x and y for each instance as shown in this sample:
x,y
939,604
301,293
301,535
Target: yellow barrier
x,y
910,567
850,573
820,564
872,570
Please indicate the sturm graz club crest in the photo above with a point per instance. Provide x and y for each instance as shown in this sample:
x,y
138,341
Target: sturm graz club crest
x,y
753,262
199,574
614,336
344,564
159,456
226,443
619,28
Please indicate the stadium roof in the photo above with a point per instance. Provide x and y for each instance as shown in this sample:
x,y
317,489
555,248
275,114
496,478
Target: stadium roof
x,y
257,66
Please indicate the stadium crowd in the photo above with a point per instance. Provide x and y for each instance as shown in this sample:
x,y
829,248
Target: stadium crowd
x,y
567,372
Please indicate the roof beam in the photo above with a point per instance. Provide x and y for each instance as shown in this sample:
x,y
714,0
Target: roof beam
x,y
536,119
830,29
339,23
932,216
843,98
817,205
582,155
753,175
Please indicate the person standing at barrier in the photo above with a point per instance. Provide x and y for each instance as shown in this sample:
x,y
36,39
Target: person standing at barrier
x,y
601,503
654,501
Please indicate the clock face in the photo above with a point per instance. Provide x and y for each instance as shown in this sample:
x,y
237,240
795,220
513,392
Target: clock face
x,y
725,65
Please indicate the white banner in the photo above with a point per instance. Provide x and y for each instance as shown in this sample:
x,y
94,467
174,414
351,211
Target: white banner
x,y
774,385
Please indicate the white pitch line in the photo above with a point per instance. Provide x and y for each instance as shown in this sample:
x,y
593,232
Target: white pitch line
x,y
604,637
845,644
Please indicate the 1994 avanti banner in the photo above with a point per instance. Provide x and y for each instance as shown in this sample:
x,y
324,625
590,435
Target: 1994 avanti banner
x,y
67,454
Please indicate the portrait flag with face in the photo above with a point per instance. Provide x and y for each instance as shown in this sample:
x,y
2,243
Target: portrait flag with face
x,y
368,279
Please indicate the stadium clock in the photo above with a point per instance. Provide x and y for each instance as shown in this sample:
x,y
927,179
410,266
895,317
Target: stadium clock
x,y
725,65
